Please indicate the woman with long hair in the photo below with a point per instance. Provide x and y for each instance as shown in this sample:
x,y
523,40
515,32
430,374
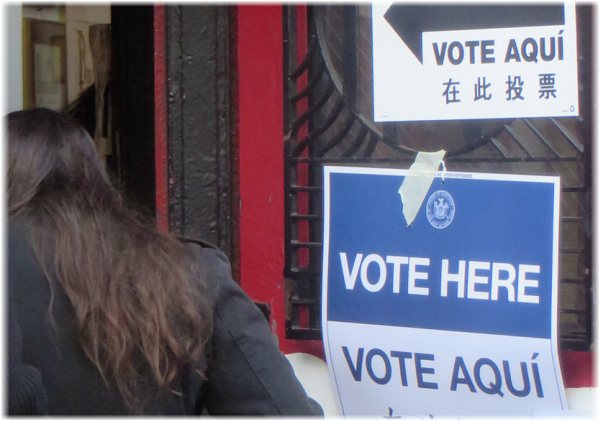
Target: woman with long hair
x,y
116,317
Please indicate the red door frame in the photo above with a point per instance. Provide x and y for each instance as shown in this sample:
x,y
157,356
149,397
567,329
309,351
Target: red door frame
x,y
161,158
261,164
260,133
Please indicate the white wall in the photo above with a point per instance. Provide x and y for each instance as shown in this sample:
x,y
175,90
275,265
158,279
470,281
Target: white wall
x,y
13,92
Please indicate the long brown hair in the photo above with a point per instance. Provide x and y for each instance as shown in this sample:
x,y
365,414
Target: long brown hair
x,y
136,292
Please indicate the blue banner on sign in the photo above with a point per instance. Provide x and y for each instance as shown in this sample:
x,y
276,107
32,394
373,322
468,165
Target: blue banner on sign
x,y
471,250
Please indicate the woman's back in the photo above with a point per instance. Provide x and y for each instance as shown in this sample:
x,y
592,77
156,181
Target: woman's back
x,y
117,317
72,382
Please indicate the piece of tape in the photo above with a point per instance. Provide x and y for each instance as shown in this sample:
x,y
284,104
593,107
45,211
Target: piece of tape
x,y
417,182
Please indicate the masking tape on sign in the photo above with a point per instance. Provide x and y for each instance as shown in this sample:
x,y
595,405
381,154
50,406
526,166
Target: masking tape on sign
x,y
417,182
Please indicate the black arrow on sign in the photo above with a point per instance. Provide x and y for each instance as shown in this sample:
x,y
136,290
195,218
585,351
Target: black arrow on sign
x,y
411,21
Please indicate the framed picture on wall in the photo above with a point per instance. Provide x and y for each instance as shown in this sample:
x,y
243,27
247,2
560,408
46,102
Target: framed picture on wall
x,y
45,68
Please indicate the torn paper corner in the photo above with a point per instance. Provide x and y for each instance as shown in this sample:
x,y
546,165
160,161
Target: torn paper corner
x,y
417,182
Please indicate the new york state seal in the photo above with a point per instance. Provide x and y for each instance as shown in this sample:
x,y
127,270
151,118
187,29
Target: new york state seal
x,y
440,209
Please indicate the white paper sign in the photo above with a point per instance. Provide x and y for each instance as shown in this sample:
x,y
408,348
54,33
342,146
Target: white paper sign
x,y
452,62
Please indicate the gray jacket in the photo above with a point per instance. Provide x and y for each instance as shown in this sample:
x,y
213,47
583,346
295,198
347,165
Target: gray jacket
x,y
246,374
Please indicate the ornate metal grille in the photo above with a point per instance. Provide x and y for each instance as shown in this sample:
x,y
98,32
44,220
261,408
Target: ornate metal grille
x,y
336,126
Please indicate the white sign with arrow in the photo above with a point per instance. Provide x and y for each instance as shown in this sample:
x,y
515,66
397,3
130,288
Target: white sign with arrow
x,y
474,61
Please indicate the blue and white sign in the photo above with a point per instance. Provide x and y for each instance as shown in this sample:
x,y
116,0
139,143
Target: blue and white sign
x,y
454,315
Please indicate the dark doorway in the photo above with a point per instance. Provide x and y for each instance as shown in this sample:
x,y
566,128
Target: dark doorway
x,y
133,103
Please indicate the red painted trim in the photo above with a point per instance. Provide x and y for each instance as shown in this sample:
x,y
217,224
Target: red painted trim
x,y
160,116
578,368
261,166
260,131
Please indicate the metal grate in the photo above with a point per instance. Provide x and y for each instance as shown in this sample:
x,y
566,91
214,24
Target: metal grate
x,y
336,126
